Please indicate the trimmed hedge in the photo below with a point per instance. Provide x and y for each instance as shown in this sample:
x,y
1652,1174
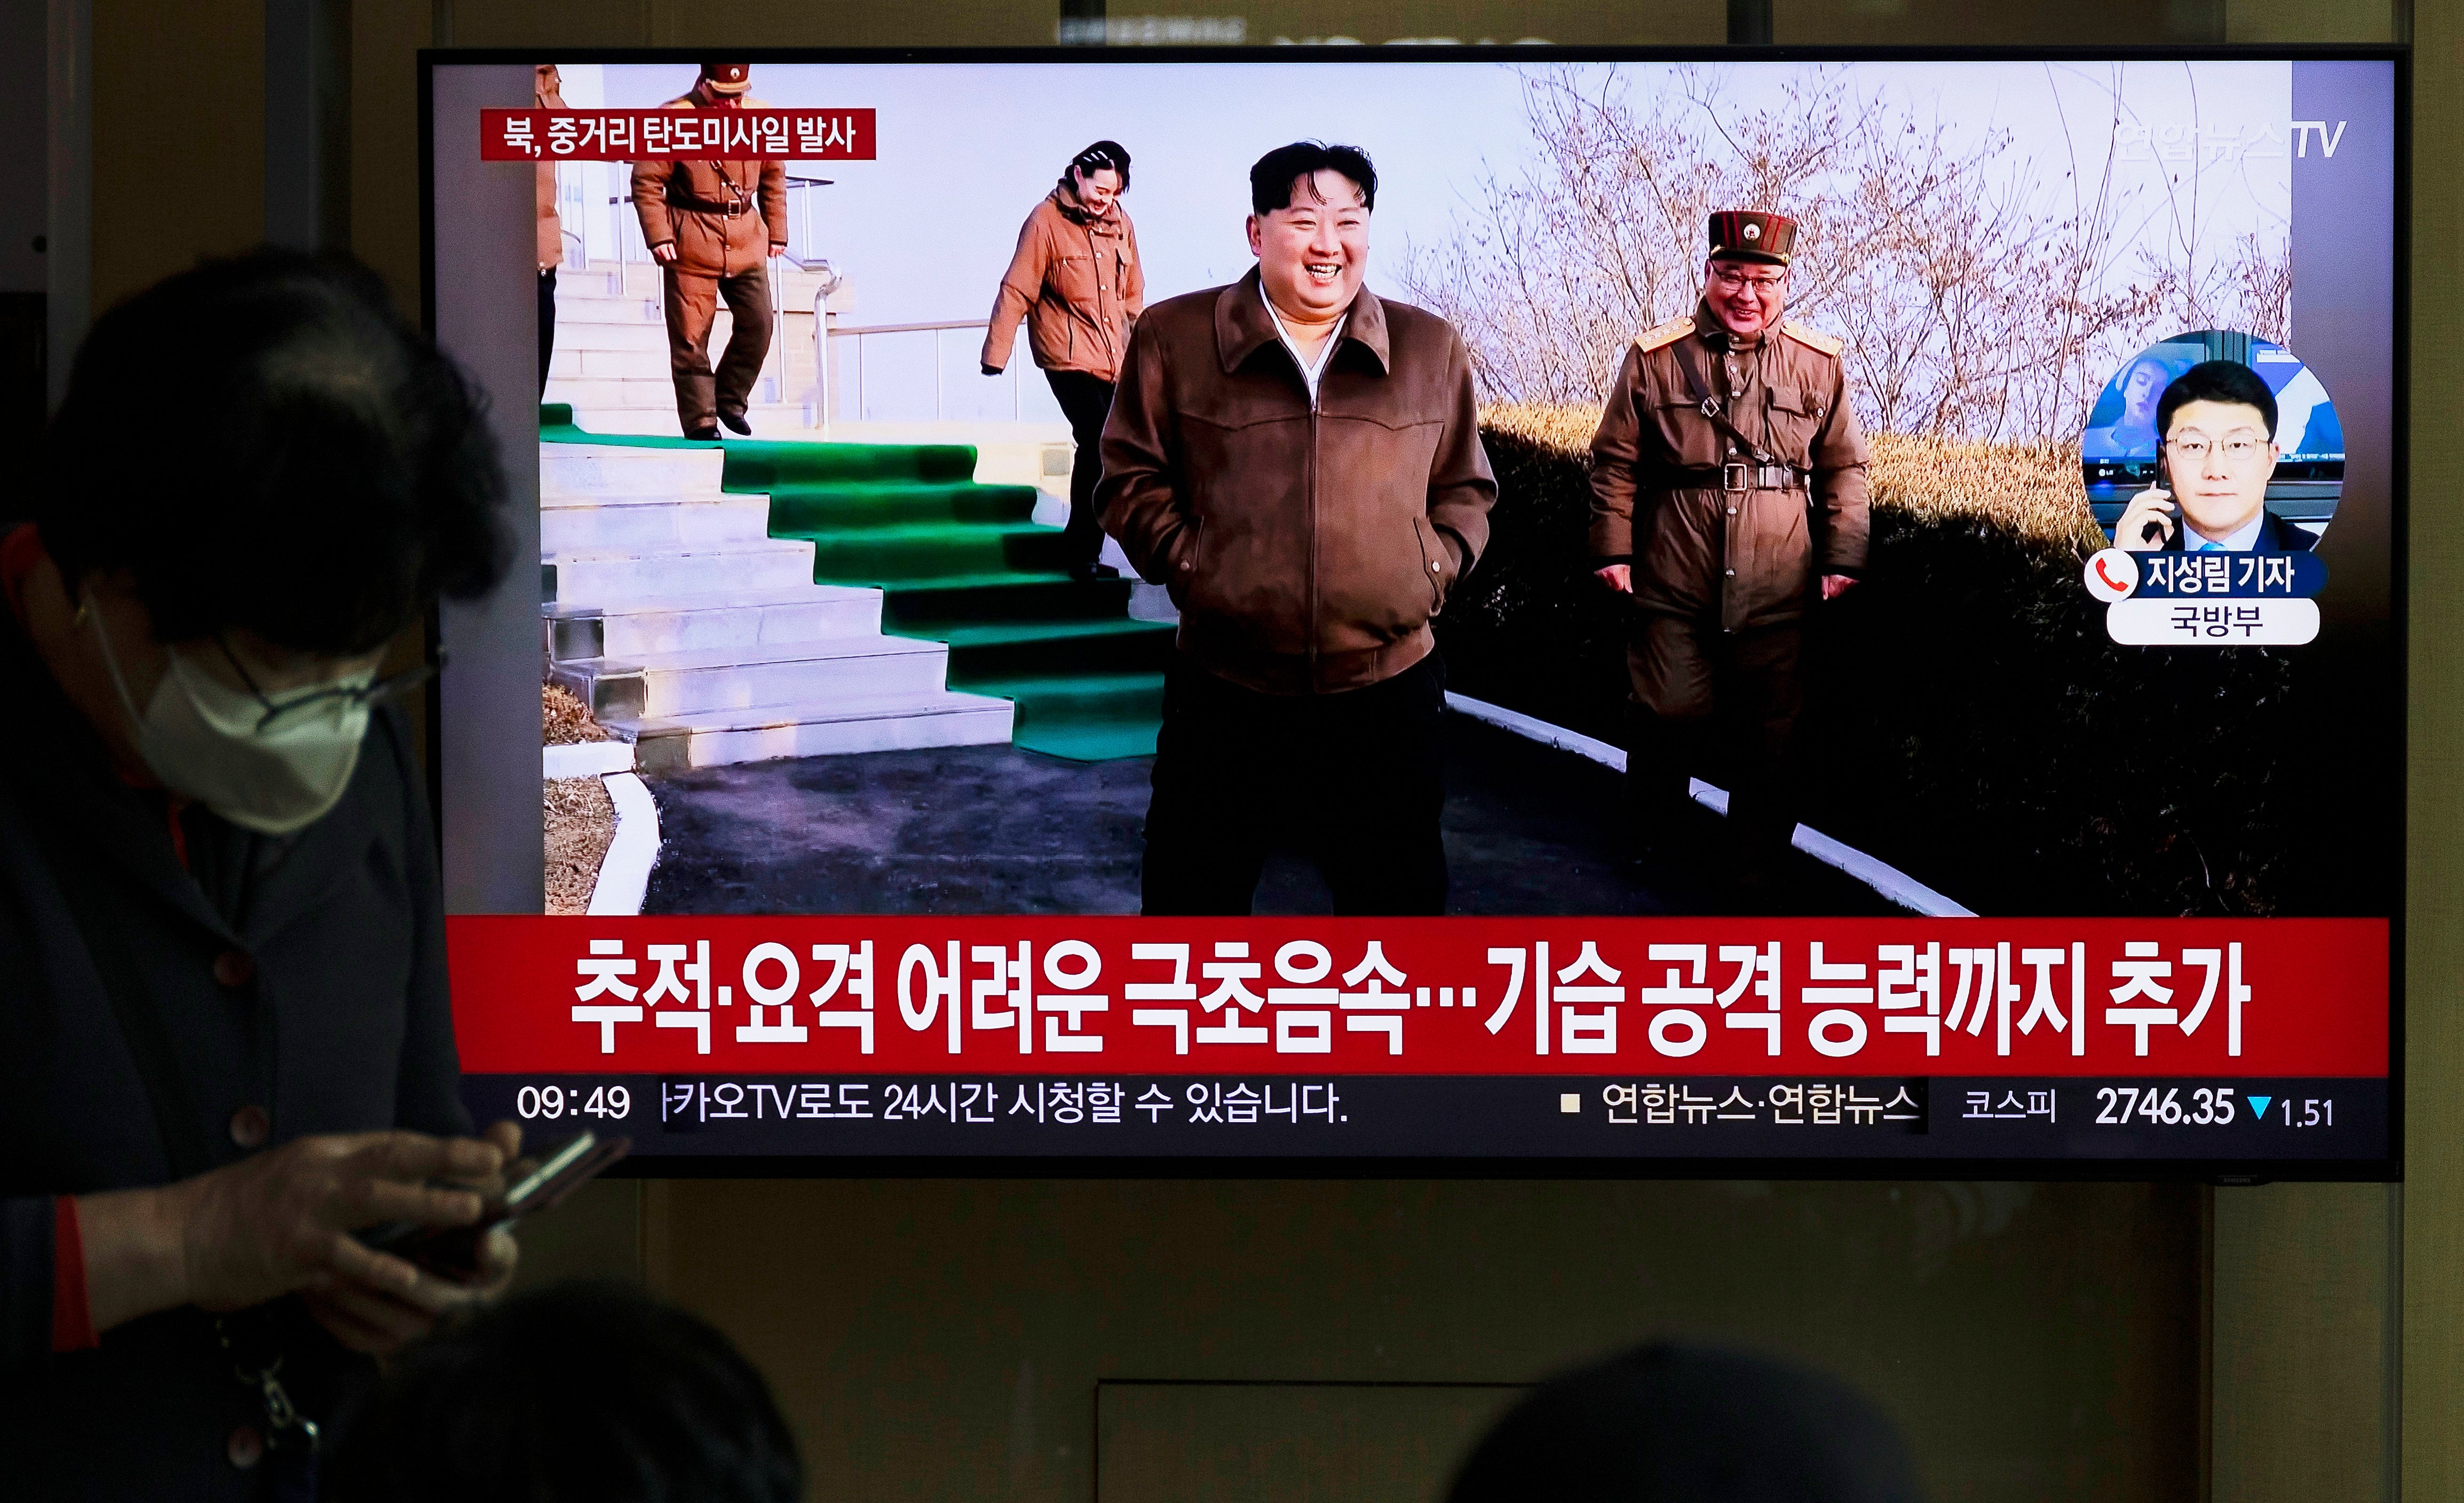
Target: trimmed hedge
x,y
1969,720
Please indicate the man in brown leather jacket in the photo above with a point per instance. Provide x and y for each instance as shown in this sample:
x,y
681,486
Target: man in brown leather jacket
x,y
712,226
1728,491
1298,460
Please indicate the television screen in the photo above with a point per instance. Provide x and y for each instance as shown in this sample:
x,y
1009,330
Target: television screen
x,y
1491,609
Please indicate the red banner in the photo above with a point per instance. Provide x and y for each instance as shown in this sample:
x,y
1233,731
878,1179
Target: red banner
x,y
2169,997
817,135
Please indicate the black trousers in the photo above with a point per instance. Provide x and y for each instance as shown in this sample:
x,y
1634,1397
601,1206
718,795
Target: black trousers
x,y
1086,401
1356,775
1722,705
546,323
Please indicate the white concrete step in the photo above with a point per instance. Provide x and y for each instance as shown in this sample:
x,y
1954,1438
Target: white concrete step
x,y
611,472
734,620
588,338
819,672
604,574
632,522
770,419
903,722
617,311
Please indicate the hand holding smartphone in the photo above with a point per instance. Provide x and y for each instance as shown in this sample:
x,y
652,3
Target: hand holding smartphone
x,y
453,1252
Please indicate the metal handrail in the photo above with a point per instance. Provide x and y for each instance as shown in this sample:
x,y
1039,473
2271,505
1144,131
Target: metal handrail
x,y
821,353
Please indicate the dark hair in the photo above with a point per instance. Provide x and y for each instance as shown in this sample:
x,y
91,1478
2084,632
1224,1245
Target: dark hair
x,y
1095,159
1273,181
2216,380
261,443
1671,1423
576,1391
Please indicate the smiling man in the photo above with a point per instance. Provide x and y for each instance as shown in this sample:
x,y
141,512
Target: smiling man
x,y
1727,495
1298,461
2218,420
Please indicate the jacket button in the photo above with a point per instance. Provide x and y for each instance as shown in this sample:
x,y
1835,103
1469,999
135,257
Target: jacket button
x,y
250,1126
1732,574
1732,510
1184,566
245,1448
1434,569
235,968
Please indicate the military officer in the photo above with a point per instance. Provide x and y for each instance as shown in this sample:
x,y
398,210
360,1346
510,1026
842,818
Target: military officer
x,y
1728,494
711,226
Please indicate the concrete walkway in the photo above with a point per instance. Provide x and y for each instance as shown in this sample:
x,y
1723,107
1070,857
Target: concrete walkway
x,y
997,830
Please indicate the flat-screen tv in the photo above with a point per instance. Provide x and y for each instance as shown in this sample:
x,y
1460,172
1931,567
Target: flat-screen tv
x,y
1906,679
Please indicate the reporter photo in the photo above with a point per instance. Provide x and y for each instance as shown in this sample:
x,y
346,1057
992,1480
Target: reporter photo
x,y
2218,422
224,1031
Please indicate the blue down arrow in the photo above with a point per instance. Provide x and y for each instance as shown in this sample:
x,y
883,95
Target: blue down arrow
x,y
2258,1105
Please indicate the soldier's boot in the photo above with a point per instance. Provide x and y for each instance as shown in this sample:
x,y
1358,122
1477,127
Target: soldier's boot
x,y
1660,760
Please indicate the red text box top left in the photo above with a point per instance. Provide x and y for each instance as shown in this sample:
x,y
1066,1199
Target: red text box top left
x,y
807,135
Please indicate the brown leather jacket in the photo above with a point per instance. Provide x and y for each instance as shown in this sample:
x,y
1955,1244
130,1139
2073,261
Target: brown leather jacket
x,y
1077,281
722,216
1744,558
1306,546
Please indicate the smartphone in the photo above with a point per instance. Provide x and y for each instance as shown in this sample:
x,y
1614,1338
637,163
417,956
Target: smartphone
x,y
453,1252
2155,531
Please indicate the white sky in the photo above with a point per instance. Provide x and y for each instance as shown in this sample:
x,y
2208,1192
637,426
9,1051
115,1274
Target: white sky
x,y
966,149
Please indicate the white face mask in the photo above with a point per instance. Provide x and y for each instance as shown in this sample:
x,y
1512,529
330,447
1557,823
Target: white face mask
x,y
206,741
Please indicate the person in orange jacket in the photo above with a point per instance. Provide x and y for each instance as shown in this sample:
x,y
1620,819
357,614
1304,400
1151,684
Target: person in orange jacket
x,y
1077,283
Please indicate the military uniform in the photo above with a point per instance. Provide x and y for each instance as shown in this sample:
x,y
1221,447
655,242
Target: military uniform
x,y
725,218
1730,475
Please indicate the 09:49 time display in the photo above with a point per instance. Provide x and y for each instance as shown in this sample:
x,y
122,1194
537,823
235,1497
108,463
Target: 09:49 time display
x,y
550,1101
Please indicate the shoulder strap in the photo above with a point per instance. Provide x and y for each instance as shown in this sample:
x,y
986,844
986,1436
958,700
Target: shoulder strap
x,y
1700,391
1812,338
1653,338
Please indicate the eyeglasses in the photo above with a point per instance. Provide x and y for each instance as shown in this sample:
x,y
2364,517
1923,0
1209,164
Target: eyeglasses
x,y
376,692
1736,281
2237,451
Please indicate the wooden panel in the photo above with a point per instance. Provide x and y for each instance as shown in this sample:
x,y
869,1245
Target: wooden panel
x,y
1281,1443
941,1340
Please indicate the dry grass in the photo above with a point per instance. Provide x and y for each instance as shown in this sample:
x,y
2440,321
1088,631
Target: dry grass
x,y
2033,490
566,721
580,824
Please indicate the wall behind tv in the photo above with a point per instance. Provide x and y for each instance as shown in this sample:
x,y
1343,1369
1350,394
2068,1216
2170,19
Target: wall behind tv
x,y
943,1339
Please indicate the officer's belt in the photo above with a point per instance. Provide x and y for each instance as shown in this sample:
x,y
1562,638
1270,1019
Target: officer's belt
x,y
1738,476
701,205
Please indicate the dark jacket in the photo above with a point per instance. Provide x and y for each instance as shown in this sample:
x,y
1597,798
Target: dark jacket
x,y
303,976
1739,559
723,217
1307,547
1076,280
2275,535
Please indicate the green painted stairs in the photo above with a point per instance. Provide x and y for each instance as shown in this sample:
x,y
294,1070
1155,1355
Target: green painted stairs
x,y
963,564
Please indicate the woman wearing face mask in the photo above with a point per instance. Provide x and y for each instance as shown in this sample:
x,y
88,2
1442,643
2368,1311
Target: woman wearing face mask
x,y
1076,280
224,1035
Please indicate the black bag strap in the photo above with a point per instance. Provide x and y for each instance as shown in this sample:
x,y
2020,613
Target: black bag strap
x,y
1712,407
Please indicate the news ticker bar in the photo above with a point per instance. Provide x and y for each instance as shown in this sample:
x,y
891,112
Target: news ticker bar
x,y
1456,1116
814,998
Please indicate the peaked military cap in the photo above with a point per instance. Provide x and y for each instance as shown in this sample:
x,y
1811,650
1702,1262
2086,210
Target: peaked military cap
x,y
1739,234
727,77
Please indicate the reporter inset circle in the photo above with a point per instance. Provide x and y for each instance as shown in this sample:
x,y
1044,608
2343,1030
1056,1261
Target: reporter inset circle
x,y
2121,454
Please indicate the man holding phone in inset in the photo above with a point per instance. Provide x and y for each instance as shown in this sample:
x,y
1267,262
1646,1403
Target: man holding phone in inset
x,y
2218,420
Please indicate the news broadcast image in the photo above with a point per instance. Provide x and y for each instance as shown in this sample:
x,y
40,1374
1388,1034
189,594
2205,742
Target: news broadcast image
x,y
2051,819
